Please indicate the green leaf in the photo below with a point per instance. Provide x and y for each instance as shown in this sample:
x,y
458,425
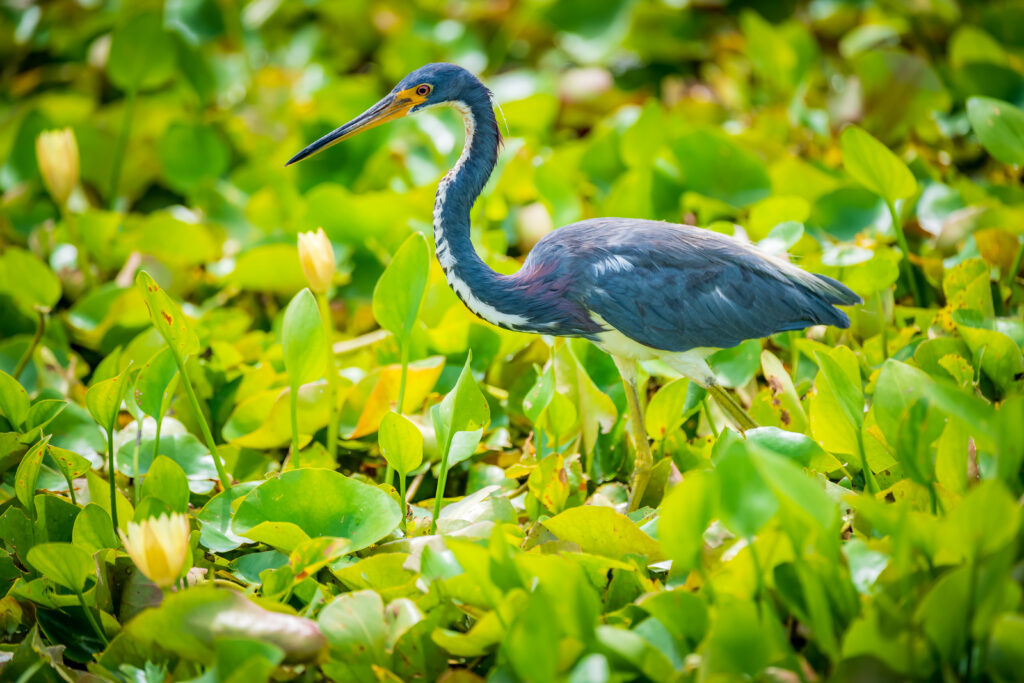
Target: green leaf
x,y
1000,127
685,515
14,402
999,356
463,409
399,291
63,563
192,152
666,411
166,481
188,452
70,464
141,53
354,626
401,443
92,530
27,475
29,281
316,503
104,399
747,502
216,517
302,336
603,531
168,319
155,383
874,166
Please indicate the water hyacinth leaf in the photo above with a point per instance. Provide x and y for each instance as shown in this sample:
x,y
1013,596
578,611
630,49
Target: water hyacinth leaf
x,y
372,398
63,563
155,383
302,336
31,283
354,626
263,420
1000,127
14,402
167,317
166,482
1000,357
785,400
666,411
596,409
92,530
141,53
747,502
189,623
464,408
603,531
685,515
874,165
27,475
216,534
320,503
398,294
401,443
539,396
70,464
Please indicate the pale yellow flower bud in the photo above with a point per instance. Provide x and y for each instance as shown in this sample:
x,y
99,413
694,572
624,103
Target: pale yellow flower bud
x,y
159,547
57,153
317,258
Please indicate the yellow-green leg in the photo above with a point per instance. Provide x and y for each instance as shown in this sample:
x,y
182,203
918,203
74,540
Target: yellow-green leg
x,y
732,408
644,459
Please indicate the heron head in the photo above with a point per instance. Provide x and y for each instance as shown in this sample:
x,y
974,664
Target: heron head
x,y
427,86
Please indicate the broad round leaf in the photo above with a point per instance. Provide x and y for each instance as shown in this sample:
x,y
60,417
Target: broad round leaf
x,y
874,166
191,152
401,443
141,53
302,336
28,280
63,563
318,502
1000,127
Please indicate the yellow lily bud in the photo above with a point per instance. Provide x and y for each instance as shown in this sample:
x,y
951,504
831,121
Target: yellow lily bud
x,y
317,258
159,547
57,153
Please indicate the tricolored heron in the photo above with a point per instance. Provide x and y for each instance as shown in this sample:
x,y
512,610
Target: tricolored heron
x,y
638,289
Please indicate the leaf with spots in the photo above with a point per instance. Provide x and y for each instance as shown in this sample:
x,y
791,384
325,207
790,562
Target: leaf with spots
x,y
167,317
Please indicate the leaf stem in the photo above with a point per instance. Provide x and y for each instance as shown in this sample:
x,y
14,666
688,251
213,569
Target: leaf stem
x,y
442,480
882,326
905,266
404,351
113,476
405,503
1015,268
27,356
293,407
332,376
707,415
81,255
92,619
120,147
225,480
135,462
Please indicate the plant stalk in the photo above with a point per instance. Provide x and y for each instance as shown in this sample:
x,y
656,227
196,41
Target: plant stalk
x,y
113,477
404,351
27,356
222,474
120,147
442,480
905,265
1015,268
332,376
92,619
405,503
293,407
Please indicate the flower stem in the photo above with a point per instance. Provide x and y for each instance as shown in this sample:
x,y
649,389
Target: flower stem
x,y
905,266
332,376
92,619
222,474
27,356
113,477
120,147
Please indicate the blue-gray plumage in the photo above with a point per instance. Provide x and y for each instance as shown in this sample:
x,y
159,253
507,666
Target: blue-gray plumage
x,y
639,289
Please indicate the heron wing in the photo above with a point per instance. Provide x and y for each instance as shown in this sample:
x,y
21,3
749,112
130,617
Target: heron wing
x,y
676,288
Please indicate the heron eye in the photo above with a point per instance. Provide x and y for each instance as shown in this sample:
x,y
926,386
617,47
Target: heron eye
x,y
423,90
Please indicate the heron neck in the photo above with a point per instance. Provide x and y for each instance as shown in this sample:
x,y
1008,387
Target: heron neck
x,y
484,291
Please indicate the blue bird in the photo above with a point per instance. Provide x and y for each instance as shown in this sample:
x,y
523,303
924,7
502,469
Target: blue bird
x,y
638,289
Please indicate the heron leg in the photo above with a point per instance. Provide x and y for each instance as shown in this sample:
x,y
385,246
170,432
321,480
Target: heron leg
x,y
732,408
644,459
693,365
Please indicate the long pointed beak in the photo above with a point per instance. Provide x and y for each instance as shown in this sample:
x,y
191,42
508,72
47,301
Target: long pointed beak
x,y
393,106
